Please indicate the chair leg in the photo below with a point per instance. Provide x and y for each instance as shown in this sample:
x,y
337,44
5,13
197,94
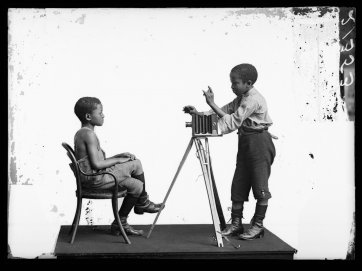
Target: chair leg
x,y
76,219
116,217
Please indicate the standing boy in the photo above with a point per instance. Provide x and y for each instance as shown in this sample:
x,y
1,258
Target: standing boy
x,y
125,166
247,113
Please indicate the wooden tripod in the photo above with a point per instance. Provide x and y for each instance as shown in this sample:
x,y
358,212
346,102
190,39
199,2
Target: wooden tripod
x,y
203,154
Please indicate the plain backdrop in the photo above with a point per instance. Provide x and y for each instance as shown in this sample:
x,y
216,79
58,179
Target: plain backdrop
x,y
145,65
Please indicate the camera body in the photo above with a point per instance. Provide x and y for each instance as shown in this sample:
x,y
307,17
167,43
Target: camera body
x,y
204,125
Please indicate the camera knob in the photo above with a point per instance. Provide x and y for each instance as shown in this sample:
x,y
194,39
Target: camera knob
x,y
188,124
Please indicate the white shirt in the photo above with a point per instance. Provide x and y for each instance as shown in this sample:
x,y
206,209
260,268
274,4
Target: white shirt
x,y
246,113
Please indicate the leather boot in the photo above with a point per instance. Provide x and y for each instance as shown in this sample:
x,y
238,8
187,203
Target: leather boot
x,y
146,206
256,229
236,226
143,200
127,228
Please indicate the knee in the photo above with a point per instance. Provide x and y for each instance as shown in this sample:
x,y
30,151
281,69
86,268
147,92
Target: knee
x,y
262,195
138,164
136,188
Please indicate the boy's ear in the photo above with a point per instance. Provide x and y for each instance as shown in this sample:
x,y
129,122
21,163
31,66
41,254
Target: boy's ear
x,y
249,83
87,116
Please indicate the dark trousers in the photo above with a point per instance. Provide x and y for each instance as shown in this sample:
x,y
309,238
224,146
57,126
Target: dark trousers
x,y
255,156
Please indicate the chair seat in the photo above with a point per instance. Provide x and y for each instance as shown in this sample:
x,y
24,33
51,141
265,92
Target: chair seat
x,y
102,193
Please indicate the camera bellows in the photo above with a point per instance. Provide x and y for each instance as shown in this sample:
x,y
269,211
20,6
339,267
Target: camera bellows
x,y
204,125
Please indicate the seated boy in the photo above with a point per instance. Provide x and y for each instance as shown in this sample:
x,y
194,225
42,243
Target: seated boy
x,y
125,166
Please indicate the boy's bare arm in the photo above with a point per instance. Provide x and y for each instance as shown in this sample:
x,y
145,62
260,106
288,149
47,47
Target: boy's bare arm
x,y
125,155
91,143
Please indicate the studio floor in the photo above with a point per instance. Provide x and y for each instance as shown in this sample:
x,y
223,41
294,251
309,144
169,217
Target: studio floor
x,y
176,241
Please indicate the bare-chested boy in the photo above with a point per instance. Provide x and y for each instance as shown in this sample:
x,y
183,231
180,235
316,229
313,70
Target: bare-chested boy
x,y
125,166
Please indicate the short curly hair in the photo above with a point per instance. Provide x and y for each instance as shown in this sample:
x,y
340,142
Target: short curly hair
x,y
85,105
246,72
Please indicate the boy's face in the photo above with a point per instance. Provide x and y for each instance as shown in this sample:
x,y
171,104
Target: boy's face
x,y
238,86
96,118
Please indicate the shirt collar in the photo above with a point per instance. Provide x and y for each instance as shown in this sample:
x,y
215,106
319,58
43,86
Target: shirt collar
x,y
251,91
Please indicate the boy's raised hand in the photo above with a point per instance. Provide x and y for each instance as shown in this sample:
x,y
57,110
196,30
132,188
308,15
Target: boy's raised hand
x,y
209,95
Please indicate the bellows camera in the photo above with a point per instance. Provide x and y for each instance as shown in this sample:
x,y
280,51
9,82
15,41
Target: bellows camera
x,y
203,125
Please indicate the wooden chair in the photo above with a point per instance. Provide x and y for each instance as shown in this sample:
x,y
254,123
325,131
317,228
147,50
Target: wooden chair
x,y
82,193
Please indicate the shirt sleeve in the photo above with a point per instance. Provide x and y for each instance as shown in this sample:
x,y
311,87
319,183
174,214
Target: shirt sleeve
x,y
228,109
233,121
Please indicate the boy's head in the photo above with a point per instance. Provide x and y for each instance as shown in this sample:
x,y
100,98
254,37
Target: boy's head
x,y
89,110
243,77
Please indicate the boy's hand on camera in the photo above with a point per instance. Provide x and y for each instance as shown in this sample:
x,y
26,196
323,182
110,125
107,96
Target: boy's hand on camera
x,y
209,95
190,109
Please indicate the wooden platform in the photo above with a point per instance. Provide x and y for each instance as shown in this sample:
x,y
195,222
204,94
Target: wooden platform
x,y
187,241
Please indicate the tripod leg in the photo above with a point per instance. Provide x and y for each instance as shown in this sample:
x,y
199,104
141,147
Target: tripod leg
x,y
206,172
217,199
209,181
173,182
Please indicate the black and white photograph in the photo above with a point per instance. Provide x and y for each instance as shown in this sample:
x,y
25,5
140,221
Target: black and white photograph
x,y
181,133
